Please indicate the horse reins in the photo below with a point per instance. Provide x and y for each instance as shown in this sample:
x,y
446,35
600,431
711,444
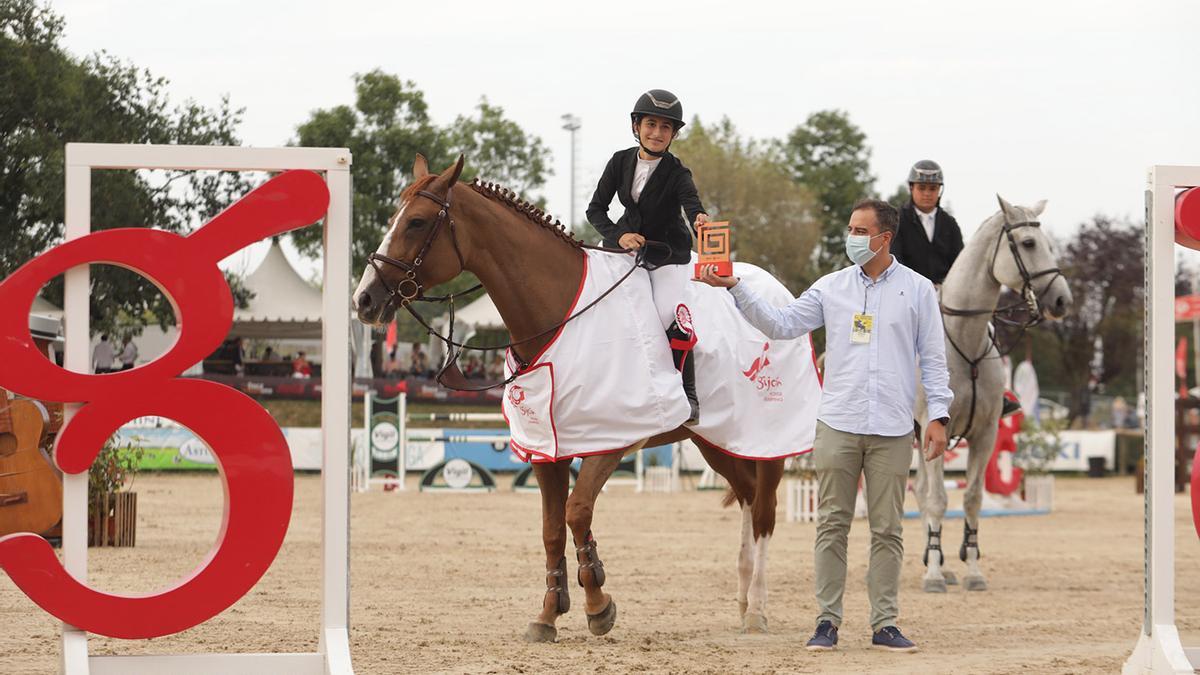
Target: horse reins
x,y
1030,299
412,282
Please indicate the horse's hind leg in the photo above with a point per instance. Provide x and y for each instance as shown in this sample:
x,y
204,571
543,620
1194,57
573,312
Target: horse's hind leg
x,y
553,482
931,496
740,473
768,474
594,472
981,448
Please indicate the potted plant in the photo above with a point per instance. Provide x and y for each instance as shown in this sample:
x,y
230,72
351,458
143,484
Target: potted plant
x,y
1037,448
112,507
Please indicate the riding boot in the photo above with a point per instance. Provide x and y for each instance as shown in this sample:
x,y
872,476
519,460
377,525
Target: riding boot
x,y
682,342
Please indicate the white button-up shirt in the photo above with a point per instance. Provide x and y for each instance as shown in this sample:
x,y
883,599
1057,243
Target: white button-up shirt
x,y
869,388
928,220
641,176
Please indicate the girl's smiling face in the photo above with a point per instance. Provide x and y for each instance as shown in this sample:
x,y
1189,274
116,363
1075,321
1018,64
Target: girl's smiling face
x,y
656,133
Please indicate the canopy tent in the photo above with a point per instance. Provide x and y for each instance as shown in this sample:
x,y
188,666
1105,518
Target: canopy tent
x,y
284,306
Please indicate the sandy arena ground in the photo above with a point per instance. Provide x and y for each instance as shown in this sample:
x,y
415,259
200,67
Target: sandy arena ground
x,y
447,583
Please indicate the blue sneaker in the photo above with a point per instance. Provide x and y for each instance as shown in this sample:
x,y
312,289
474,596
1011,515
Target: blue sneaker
x,y
889,638
825,639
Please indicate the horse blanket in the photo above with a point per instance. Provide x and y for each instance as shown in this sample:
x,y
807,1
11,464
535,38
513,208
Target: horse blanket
x,y
607,381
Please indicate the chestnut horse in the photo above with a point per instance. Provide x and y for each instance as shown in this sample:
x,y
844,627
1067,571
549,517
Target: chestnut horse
x,y
531,268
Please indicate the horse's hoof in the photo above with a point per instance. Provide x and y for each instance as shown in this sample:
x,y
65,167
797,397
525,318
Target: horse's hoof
x,y
754,623
974,583
541,632
602,622
935,585
951,578
742,605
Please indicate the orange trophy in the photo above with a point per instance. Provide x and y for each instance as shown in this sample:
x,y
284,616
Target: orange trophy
x,y
714,248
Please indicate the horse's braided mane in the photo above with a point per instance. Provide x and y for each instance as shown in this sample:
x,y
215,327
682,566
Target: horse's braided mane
x,y
532,212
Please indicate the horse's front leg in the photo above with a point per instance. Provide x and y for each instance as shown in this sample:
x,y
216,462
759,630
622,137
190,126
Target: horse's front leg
x,y
931,497
982,444
553,483
767,477
594,472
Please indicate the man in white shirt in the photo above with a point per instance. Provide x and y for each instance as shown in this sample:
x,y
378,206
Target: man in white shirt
x,y
129,354
880,317
102,356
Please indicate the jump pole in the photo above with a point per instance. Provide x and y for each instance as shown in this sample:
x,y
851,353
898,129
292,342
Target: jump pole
x,y
1159,648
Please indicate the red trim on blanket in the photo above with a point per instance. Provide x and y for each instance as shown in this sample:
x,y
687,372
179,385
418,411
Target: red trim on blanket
x,y
519,450
757,459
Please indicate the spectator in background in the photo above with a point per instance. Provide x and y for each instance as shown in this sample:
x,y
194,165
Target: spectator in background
x,y
418,361
392,367
129,354
474,370
238,356
102,356
270,354
301,367
495,369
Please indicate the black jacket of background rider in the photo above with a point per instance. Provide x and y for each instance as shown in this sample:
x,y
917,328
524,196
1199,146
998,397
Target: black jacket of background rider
x,y
914,250
656,216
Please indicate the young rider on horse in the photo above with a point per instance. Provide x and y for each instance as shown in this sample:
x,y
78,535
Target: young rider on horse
x,y
928,239
654,187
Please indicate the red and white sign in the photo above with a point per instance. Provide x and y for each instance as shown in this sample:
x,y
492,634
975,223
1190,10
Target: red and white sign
x,y
245,441
1187,307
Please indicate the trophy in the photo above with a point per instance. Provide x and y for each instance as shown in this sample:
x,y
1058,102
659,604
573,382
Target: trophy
x,y
714,248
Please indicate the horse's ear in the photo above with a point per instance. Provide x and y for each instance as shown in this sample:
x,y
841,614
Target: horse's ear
x,y
420,167
1038,208
453,172
1011,214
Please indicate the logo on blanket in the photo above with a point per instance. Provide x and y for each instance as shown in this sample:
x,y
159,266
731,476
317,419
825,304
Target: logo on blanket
x,y
516,397
770,386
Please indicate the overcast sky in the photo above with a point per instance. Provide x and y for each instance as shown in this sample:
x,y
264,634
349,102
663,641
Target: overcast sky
x,y
1065,100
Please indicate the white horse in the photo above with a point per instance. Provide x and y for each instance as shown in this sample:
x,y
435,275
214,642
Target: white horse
x,y
1010,249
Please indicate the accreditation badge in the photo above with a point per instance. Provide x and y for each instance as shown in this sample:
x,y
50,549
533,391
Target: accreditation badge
x,y
860,329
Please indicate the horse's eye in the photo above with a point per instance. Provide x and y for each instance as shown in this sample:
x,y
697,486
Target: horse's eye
x,y
1029,243
416,224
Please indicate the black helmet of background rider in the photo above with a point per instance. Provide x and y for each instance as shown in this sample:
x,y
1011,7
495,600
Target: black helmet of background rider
x,y
660,103
925,172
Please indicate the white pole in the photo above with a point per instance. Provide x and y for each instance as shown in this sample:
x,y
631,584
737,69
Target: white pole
x,y
76,357
402,422
335,423
572,124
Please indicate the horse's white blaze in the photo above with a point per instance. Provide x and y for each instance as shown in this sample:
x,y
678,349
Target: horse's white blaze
x,y
369,277
757,597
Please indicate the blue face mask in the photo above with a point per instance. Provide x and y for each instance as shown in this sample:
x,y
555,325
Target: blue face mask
x,y
858,248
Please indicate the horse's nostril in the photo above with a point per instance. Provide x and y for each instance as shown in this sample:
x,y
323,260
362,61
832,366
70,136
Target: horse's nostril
x,y
1060,303
364,300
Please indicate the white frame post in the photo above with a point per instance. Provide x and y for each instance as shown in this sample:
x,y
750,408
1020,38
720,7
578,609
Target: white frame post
x,y
333,654
1159,648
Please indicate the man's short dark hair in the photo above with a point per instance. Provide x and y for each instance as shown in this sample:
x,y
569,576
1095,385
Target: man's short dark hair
x,y
885,214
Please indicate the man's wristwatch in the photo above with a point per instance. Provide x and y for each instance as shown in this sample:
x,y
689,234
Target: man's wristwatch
x,y
944,420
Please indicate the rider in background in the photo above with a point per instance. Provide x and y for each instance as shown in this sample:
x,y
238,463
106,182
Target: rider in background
x,y
655,187
929,240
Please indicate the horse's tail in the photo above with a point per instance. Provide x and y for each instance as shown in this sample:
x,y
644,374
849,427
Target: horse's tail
x,y
729,498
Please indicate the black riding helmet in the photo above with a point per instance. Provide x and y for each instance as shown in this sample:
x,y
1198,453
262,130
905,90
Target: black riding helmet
x,y
660,103
925,171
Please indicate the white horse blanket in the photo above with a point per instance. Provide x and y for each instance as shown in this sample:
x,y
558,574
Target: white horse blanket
x,y
606,381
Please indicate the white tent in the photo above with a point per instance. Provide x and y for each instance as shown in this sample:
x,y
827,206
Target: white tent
x,y
284,304
481,313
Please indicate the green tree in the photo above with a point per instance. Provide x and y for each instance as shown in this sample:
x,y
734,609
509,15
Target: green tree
x,y
900,196
386,127
829,155
49,98
775,220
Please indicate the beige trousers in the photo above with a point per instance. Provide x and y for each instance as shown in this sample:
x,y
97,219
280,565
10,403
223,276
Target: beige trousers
x,y
884,461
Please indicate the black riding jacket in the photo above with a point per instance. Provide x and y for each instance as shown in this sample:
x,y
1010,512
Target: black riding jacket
x,y
930,259
656,216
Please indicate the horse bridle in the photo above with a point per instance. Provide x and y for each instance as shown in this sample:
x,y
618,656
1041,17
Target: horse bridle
x,y
450,375
411,280
1030,299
